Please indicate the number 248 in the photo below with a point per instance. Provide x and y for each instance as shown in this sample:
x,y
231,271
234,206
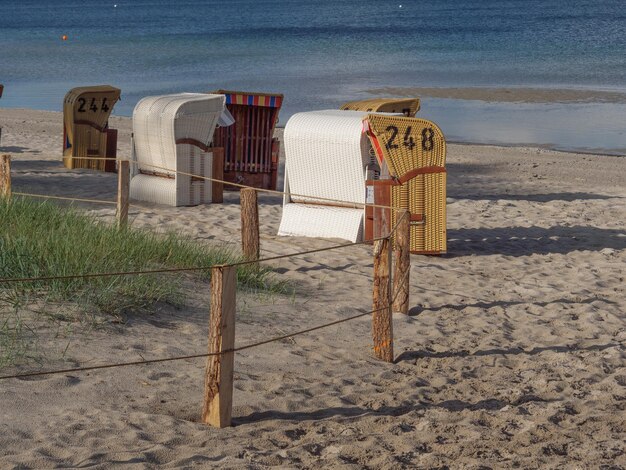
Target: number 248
x,y
408,141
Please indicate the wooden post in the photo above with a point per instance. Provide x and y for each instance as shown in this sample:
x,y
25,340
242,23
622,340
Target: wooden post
x,y
217,189
123,184
218,382
5,176
249,224
402,267
382,325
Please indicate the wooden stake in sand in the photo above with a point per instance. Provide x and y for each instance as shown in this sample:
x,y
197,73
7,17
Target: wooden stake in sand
x,y
249,224
5,176
217,189
218,384
402,267
123,184
382,326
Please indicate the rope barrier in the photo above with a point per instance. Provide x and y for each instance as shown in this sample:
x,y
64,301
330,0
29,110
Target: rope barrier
x,y
91,275
193,356
110,159
44,196
171,270
241,263
348,204
318,250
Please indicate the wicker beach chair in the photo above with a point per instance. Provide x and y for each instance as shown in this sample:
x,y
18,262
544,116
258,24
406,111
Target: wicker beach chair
x,y
86,132
327,156
250,150
407,106
171,134
412,155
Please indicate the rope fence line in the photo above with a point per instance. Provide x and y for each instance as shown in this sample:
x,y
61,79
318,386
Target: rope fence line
x,y
204,355
103,159
64,198
194,268
348,204
199,268
192,356
224,287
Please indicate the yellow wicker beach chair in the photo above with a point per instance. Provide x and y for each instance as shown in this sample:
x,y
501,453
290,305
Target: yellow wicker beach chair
x,y
407,106
86,132
412,156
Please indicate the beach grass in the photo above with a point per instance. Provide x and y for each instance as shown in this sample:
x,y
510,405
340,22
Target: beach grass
x,y
40,239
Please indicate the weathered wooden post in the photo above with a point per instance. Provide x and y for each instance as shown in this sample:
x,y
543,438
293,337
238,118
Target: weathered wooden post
x,y
5,176
382,320
123,185
402,266
218,383
249,224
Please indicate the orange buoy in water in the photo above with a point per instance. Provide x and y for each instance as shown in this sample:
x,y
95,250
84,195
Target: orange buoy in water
x,y
64,37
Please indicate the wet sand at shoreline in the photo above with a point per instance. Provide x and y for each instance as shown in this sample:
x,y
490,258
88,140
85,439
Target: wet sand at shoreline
x,y
508,95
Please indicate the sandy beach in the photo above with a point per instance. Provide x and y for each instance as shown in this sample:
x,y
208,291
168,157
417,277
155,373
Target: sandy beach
x,y
513,355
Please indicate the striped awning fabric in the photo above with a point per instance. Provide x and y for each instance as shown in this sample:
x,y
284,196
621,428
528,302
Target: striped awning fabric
x,y
252,99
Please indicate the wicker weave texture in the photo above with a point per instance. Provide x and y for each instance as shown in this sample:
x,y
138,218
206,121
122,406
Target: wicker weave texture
x,y
304,220
406,106
159,122
326,157
326,154
183,190
406,145
86,112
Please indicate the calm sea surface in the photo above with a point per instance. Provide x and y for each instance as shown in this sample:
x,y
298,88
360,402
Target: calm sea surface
x,y
321,53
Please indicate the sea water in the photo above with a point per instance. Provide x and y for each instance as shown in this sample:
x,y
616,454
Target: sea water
x,y
322,53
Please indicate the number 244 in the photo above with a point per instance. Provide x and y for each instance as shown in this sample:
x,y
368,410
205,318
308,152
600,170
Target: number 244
x,y
93,106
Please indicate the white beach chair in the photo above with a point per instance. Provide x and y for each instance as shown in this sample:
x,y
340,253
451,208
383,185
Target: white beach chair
x,y
171,134
327,156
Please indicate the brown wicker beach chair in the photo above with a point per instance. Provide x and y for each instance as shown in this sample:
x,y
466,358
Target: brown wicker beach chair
x,y
407,106
250,150
86,132
412,156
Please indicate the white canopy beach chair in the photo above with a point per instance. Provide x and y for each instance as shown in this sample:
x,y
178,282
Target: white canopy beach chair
x,y
327,156
172,134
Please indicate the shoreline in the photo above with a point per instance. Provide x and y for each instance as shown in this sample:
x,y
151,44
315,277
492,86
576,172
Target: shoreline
x,y
19,113
568,120
535,95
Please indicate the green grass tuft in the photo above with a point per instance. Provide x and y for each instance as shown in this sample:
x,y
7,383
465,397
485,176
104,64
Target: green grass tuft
x,y
43,239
